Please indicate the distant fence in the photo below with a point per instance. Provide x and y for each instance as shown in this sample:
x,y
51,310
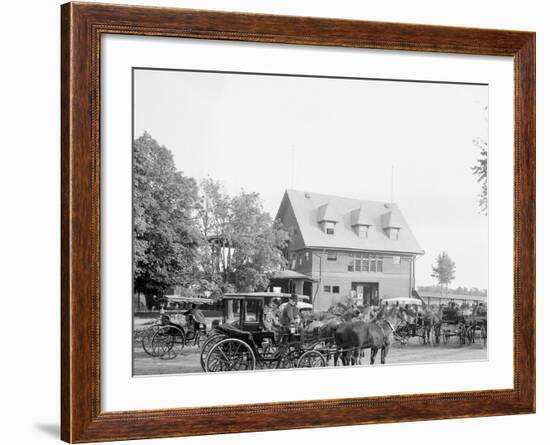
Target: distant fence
x,y
457,298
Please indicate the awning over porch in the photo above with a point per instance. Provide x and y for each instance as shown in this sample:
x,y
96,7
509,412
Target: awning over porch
x,y
292,282
291,275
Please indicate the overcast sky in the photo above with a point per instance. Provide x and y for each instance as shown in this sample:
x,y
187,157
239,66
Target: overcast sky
x,y
337,136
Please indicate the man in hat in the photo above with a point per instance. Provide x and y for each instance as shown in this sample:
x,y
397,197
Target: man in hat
x,y
290,313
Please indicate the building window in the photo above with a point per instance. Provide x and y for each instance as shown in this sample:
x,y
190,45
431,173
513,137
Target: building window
x,y
332,256
366,263
300,259
393,233
396,259
326,289
329,227
335,289
372,263
362,231
307,256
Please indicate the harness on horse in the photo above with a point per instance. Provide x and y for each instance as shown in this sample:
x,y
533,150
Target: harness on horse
x,y
398,337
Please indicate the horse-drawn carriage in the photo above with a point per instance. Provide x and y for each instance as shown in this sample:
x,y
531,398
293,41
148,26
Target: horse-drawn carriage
x,y
443,323
167,337
242,341
466,324
476,324
417,323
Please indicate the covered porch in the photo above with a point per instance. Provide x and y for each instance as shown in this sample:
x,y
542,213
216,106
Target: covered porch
x,y
292,282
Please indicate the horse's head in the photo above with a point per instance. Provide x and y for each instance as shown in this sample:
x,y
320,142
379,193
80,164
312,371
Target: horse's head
x,y
381,313
396,316
409,315
354,312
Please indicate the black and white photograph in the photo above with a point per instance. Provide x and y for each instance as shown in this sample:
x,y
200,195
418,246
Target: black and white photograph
x,y
275,222
288,221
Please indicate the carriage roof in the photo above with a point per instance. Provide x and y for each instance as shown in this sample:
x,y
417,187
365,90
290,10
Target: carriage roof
x,y
402,300
261,295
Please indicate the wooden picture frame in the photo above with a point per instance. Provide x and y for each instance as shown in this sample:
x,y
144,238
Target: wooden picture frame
x,y
82,26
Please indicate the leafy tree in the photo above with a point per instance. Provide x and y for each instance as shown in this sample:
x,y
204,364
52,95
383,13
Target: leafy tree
x,y
165,233
258,240
198,239
480,171
241,242
444,270
214,219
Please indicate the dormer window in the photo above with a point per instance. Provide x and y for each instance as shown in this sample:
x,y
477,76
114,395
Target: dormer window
x,y
329,227
327,219
362,231
360,221
393,233
391,223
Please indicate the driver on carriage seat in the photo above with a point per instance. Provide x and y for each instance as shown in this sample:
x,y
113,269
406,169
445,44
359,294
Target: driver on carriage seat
x,y
195,317
290,314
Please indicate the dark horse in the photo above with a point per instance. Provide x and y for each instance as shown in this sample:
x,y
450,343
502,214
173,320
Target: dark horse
x,y
431,321
378,334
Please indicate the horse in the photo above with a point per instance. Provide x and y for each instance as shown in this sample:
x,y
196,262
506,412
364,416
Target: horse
x,y
379,334
324,325
431,322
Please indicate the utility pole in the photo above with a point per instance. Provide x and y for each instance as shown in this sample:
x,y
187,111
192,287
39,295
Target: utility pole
x,y
292,167
391,188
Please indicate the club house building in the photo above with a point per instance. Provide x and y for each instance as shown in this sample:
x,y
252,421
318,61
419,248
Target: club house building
x,y
364,249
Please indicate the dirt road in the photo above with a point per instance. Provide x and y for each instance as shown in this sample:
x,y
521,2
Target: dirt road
x,y
188,360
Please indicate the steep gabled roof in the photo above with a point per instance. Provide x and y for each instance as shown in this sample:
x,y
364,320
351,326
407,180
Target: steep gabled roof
x,y
307,207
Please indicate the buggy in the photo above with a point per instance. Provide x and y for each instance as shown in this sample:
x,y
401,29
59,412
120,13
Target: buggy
x,y
167,338
242,342
453,324
476,324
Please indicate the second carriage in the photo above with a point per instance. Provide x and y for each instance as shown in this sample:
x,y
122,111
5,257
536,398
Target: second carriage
x,y
466,324
242,342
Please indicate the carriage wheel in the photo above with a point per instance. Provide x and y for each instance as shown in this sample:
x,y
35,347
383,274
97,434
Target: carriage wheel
x,y
146,340
189,335
484,335
201,338
290,358
437,333
312,359
423,336
230,354
167,342
207,346
470,334
463,334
